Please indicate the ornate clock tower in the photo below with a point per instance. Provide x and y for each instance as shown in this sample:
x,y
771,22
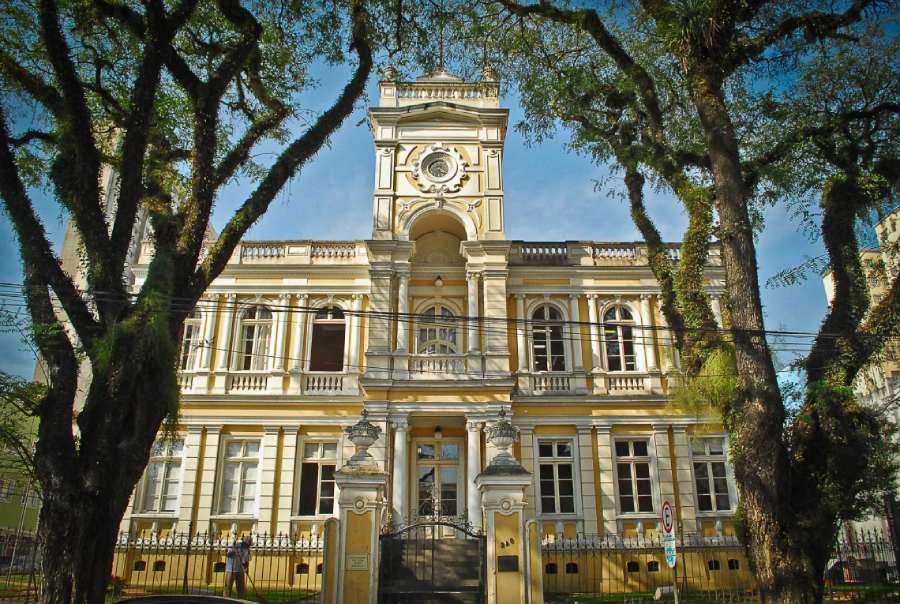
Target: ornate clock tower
x,y
438,234
439,147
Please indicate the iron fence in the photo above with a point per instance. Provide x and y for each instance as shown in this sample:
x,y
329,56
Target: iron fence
x,y
709,569
610,569
284,568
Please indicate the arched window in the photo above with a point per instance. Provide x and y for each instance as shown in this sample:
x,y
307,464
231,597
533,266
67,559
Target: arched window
x,y
191,342
253,345
437,331
618,331
548,350
327,352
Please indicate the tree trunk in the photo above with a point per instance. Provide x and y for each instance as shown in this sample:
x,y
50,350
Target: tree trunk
x,y
85,496
756,419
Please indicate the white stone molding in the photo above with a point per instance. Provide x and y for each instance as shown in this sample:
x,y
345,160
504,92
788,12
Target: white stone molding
x,y
399,489
472,312
575,332
355,324
715,303
647,331
403,318
210,317
300,320
665,336
224,352
596,353
521,339
473,468
281,321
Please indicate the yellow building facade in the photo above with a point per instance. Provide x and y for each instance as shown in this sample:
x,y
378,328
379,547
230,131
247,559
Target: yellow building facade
x,y
434,324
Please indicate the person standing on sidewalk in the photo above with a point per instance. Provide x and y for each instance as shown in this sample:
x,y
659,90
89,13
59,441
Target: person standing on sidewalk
x,y
238,562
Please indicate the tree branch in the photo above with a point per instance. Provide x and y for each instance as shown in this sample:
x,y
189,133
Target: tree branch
x,y
292,159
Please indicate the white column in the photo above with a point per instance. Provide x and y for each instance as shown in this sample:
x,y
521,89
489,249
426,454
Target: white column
x,y
300,319
403,318
647,331
281,332
224,351
472,312
665,336
588,490
607,499
473,468
400,475
575,332
268,479
596,362
206,489
209,324
355,323
286,480
717,308
193,449
521,342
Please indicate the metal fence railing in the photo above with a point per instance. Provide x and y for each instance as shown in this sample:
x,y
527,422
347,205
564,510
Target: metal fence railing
x,y
709,569
863,567
610,569
282,569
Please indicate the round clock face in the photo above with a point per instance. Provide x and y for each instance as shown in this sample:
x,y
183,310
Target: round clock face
x,y
439,167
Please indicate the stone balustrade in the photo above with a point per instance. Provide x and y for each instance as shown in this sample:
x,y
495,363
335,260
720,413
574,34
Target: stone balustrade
x,y
589,253
551,383
421,365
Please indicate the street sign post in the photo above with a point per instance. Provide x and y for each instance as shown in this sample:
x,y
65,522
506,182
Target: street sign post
x,y
668,525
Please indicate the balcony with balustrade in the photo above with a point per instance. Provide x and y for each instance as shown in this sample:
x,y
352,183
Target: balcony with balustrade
x,y
588,253
283,253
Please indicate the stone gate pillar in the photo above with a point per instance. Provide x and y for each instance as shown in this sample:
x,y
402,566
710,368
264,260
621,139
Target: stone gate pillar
x,y
361,504
502,485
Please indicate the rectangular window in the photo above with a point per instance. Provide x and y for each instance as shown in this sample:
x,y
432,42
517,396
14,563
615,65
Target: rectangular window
x,y
710,474
6,489
239,476
556,471
633,476
31,499
317,478
163,477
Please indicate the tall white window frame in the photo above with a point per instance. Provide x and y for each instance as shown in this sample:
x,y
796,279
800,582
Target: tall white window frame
x,y
160,490
239,478
254,339
636,476
619,346
548,339
713,479
438,330
316,494
324,354
7,488
191,342
558,487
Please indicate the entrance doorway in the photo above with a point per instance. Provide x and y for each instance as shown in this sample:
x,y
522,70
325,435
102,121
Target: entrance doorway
x,y
438,479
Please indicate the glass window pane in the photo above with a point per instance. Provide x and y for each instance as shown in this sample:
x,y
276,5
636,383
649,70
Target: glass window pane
x,y
233,448
426,451
548,488
564,449
723,502
565,471
645,503
252,448
640,448
642,470
643,487
546,471
310,450
622,449
566,488
309,478
698,446
449,451
624,470
626,504
566,505
545,449
548,505
326,506
716,446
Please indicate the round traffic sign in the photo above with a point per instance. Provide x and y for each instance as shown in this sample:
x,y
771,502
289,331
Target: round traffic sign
x,y
668,517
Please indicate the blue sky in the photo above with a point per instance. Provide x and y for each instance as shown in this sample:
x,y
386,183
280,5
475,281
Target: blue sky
x,y
550,196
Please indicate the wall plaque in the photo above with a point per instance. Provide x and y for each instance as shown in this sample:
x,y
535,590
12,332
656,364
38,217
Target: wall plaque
x,y
507,564
357,561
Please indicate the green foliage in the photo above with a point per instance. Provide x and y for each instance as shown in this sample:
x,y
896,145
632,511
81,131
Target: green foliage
x,y
19,400
708,394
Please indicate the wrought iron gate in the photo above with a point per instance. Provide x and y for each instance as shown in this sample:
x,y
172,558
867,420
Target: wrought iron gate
x,y
432,561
